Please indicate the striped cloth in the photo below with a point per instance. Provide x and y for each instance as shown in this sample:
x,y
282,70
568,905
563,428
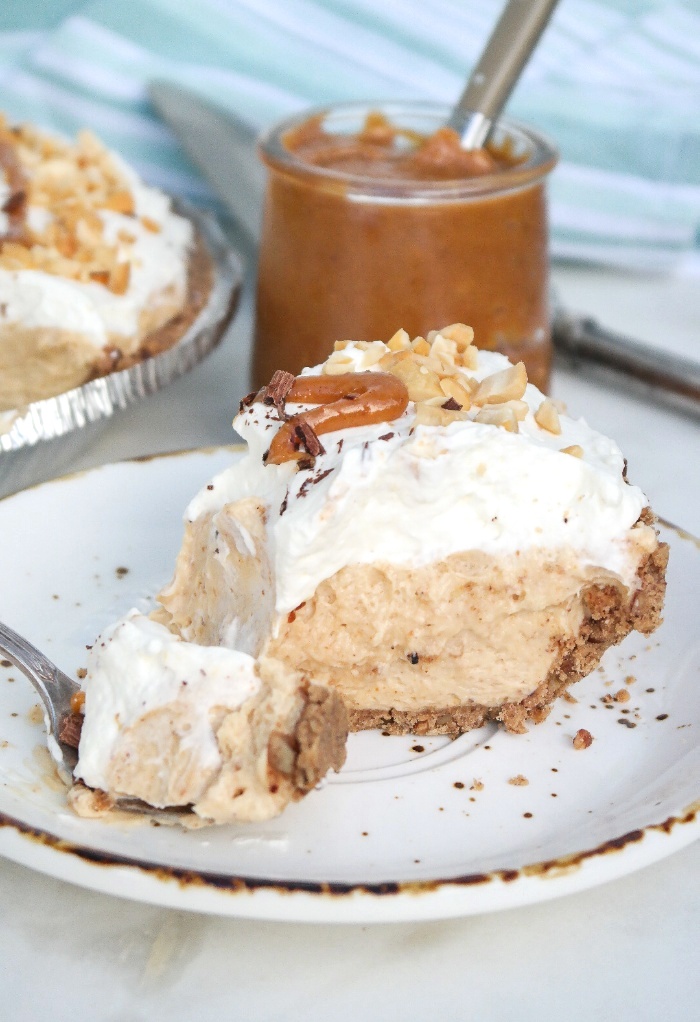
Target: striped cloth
x,y
615,82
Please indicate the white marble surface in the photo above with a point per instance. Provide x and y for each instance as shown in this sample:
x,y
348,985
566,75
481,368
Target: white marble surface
x,y
628,950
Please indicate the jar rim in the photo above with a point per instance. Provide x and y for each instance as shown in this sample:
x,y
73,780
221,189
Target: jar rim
x,y
542,155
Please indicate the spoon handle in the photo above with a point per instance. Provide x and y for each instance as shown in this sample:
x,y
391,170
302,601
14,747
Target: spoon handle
x,y
507,51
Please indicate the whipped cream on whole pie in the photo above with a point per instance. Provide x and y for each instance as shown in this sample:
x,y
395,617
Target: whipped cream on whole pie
x,y
438,569
93,263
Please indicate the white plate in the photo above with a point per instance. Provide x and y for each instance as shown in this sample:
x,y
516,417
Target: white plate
x,y
403,832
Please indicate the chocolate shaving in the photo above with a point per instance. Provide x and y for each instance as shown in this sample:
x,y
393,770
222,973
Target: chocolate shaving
x,y
388,436
308,439
451,405
248,400
278,388
69,731
14,206
283,505
305,463
321,475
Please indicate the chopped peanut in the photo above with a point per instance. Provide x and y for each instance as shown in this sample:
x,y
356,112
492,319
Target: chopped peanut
x,y
420,381
75,182
444,349
120,202
469,358
373,354
420,346
451,388
400,341
119,278
506,385
392,358
498,416
547,417
518,408
583,739
337,365
574,450
459,333
77,701
436,415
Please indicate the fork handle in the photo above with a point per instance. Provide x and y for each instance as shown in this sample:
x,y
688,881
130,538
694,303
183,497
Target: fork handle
x,y
54,687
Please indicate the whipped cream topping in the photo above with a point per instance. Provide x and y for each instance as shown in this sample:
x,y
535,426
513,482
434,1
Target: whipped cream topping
x,y
412,494
136,666
159,261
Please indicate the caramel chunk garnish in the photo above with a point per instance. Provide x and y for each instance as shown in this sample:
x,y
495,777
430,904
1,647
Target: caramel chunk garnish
x,y
353,399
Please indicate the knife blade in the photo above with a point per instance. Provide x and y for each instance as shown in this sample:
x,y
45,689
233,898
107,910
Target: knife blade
x,y
223,146
580,342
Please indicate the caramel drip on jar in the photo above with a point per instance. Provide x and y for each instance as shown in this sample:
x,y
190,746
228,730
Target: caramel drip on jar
x,y
352,399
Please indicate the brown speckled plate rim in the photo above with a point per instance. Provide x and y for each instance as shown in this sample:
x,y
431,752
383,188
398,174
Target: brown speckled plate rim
x,y
234,884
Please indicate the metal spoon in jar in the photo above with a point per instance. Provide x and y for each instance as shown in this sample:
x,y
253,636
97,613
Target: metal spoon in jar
x,y
507,52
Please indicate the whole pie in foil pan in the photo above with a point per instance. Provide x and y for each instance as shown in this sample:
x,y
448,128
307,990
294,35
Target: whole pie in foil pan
x,y
39,440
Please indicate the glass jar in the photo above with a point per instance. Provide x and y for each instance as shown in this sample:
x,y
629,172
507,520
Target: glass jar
x,y
357,254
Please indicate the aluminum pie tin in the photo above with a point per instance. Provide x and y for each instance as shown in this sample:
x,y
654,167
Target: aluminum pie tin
x,y
43,438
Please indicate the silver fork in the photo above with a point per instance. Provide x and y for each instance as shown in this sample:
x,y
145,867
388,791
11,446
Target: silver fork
x,y
55,690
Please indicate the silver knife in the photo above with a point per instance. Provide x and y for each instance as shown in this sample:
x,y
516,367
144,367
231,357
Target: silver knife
x,y
618,361
223,146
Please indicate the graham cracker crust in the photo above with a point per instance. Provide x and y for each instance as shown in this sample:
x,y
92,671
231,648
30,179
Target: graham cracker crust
x,y
609,618
317,745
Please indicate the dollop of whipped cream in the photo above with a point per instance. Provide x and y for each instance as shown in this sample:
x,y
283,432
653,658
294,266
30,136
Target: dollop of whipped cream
x,y
157,249
136,666
411,494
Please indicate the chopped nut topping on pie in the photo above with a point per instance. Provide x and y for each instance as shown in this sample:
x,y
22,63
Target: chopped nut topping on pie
x,y
547,417
506,385
74,183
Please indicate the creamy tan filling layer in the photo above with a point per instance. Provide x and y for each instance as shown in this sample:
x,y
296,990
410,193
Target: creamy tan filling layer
x,y
40,362
471,628
468,629
223,592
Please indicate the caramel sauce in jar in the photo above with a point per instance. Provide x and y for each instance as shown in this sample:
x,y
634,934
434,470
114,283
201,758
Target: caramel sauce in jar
x,y
375,219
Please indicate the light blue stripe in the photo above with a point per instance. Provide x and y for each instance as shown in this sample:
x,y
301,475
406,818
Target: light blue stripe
x,y
615,82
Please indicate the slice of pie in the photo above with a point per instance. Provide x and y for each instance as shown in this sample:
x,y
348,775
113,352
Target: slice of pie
x,y
415,538
465,560
203,729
